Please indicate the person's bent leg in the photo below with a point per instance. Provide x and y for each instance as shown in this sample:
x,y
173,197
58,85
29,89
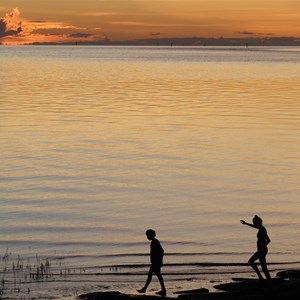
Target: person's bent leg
x,y
251,262
149,278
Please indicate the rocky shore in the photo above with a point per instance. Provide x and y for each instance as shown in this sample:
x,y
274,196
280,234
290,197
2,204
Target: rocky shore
x,y
286,286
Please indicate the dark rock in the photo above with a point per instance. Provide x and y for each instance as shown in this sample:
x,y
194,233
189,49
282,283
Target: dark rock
x,y
196,291
117,296
249,284
289,274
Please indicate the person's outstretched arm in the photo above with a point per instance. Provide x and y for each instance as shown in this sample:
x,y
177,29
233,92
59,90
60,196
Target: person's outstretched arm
x,y
245,223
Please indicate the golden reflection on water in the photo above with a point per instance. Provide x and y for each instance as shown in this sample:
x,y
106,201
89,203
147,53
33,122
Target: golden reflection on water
x,y
135,143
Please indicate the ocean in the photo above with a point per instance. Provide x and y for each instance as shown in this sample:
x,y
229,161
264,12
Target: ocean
x,y
100,143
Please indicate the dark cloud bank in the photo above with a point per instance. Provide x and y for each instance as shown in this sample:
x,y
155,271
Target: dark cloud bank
x,y
5,32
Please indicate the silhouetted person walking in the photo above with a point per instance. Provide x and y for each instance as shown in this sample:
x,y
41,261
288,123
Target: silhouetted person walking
x,y
262,241
156,256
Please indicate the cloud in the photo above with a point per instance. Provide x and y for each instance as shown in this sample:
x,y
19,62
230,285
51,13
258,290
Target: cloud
x,y
155,33
246,32
100,14
15,31
34,26
135,24
11,25
79,35
254,33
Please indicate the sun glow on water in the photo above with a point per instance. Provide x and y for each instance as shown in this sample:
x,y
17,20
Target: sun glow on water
x,y
100,143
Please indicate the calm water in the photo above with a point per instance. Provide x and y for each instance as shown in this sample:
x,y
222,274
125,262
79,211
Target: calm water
x,y
100,143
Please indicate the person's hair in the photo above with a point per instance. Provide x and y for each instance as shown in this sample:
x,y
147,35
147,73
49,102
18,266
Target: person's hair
x,y
257,220
151,233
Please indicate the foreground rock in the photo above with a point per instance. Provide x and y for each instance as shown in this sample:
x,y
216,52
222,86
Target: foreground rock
x,y
286,287
289,274
117,296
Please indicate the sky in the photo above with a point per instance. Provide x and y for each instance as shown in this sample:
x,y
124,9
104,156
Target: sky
x,y
60,21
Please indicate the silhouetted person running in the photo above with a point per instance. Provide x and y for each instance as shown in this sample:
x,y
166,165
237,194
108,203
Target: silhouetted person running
x,y
156,256
262,241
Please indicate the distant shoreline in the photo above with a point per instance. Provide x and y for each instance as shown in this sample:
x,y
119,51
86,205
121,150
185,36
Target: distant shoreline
x,y
194,41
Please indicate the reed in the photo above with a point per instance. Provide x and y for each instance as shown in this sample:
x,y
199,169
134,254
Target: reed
x,y
17,273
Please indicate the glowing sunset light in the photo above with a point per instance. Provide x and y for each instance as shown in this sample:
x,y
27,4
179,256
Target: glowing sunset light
x,y
35,21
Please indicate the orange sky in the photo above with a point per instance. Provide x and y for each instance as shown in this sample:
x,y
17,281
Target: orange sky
x,y
26,21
